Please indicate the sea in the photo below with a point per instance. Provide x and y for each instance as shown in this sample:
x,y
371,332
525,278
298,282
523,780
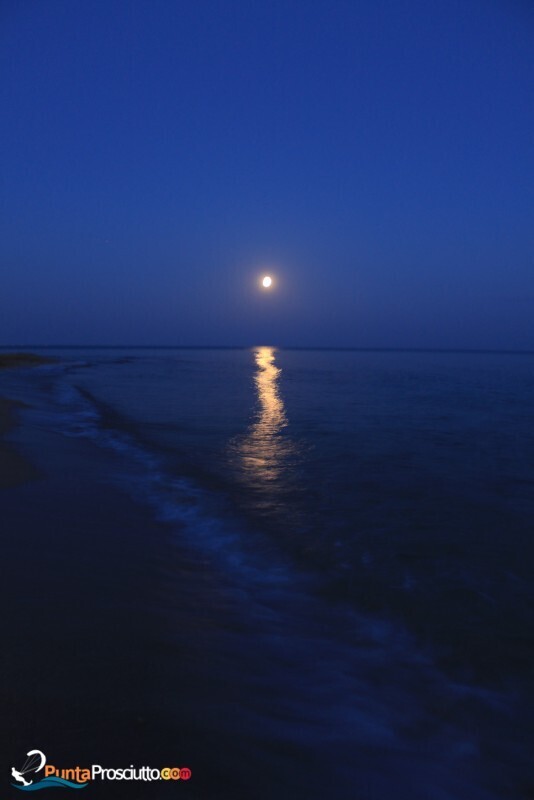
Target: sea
x,y
298,573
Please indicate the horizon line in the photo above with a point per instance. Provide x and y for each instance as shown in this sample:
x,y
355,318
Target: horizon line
x,y
332,348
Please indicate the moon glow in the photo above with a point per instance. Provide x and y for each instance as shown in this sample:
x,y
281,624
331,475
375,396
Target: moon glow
x,y
267,282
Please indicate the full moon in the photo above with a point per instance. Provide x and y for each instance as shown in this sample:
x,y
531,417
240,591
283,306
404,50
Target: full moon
x,y
267,281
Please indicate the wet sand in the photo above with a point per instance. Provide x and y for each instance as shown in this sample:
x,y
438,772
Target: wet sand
x,y
14,469
89,669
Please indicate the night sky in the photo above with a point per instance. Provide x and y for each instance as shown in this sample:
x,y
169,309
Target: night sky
x,y
375,157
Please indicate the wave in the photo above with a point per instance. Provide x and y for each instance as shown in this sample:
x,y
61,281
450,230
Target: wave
x,y
174,499
49,783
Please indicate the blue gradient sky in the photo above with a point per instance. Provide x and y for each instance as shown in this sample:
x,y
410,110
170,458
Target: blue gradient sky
x,y
376,156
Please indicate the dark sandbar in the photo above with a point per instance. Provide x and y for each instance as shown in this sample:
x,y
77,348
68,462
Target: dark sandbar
x,y
9,360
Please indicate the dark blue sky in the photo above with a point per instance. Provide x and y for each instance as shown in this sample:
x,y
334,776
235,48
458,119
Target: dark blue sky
x,y
376,157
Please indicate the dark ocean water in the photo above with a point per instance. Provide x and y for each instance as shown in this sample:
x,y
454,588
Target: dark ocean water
x,y
333,566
